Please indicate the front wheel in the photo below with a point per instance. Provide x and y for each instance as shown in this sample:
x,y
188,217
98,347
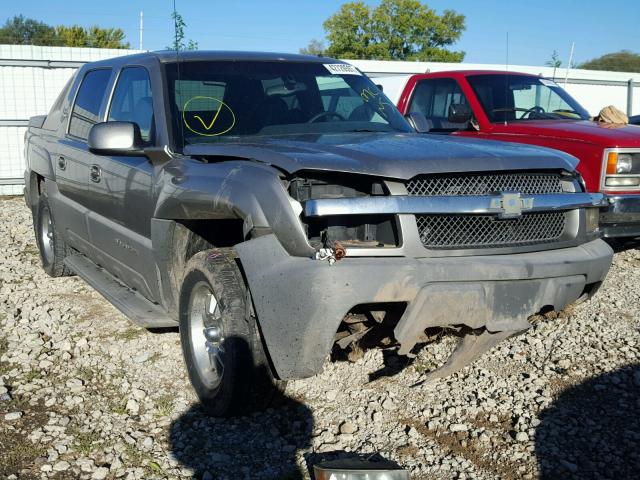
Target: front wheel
x,y
221,343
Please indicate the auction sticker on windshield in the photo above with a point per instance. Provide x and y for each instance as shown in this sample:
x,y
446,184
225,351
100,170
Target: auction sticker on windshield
x,y
341,69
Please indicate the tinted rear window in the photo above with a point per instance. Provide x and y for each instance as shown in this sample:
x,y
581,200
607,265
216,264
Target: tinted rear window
x,y
86,108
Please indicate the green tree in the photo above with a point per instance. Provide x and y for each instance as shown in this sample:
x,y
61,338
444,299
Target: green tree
x,y
394,30
315,47
27,31
93,37
554,62
623,61
107,38
178,39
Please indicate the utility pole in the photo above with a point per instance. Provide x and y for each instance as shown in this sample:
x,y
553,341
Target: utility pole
x,y
566,76
141,29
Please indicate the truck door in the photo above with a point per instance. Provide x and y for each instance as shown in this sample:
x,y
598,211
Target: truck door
x,y
433,97
121,188
72,159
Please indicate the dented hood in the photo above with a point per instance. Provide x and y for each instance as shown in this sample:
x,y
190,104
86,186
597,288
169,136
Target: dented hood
x,y
389,155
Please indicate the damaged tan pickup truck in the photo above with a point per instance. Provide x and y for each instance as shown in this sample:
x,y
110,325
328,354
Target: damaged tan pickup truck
x,y
270,205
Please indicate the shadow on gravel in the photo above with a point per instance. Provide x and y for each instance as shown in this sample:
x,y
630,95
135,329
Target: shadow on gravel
x,y
622,244
260,445
592,431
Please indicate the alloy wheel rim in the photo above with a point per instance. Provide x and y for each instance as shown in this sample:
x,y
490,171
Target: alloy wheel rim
x,y
206,335
46,235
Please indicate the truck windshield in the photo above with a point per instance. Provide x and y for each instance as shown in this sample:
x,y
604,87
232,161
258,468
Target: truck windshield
x,y
212,101
523,97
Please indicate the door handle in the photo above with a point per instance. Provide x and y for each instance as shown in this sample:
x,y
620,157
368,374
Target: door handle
x,y
62,163
94,173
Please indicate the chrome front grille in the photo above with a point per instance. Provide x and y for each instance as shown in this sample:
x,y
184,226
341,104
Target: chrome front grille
x,y
487,231
484,184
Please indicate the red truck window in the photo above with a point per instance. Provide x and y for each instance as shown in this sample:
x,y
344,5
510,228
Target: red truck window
x,y
433,98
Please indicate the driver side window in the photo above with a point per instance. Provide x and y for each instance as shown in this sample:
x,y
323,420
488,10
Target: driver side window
x,y
132,101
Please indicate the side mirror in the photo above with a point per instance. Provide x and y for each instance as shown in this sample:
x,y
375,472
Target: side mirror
x,y
418,122
115,138
459,113
380,87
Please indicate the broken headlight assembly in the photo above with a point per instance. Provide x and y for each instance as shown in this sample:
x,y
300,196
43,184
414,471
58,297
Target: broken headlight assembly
x,y
356,469
344,231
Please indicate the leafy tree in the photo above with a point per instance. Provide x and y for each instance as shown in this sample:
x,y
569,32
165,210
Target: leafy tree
x,y
93,37
554,62
394,30
178,40
623,61
107,38
315,47
27,31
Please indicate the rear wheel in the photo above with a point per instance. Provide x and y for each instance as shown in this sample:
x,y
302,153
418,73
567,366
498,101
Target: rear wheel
x,y
221,343
52,247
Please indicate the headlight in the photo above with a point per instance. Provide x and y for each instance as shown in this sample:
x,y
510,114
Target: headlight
x,y
622,169
592,216
625,163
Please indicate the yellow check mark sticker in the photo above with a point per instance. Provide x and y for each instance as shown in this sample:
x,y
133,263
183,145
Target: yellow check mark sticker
x,y
215,117
219,125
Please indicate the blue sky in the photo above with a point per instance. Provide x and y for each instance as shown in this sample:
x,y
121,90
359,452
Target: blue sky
x,y
536,27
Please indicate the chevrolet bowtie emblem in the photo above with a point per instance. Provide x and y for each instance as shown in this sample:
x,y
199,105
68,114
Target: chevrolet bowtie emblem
x,y
511,205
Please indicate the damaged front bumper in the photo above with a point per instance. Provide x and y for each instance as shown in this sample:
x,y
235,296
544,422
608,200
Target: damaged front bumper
x,y
300,302
622,218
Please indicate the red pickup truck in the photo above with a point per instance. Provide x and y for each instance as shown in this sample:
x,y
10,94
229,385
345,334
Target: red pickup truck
x,y
523,108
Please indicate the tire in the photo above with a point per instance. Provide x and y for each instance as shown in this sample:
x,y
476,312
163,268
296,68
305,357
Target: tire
x,y
229,369
52,247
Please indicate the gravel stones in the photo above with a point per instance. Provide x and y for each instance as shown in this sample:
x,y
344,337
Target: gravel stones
x,y
13,416
101,398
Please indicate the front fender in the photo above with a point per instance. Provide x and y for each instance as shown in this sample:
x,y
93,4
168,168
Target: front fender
x,y
192,190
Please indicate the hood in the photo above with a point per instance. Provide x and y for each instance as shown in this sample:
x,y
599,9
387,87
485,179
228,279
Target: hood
x,y
389,155
606,135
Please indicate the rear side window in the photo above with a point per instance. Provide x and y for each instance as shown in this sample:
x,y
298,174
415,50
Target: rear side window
x,y
86,108
132,101
433,98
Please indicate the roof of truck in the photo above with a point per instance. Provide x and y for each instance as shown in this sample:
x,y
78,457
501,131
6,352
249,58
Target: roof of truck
x,y
467,73
169,56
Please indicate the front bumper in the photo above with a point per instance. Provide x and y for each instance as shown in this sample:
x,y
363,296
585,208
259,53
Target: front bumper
x,y
622,218
300,302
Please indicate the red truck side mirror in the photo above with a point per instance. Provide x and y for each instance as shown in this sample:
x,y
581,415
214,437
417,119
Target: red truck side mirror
x,y
459,113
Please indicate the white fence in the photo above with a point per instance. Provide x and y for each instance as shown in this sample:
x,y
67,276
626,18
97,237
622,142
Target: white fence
x,y
31,78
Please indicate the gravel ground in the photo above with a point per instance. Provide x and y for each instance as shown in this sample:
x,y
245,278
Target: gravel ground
x,y
86,394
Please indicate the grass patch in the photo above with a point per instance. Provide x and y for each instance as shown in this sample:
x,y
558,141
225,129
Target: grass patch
x,y
423,365
17,453
130,334
85,373
85,442
32,375
118,406
164,405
